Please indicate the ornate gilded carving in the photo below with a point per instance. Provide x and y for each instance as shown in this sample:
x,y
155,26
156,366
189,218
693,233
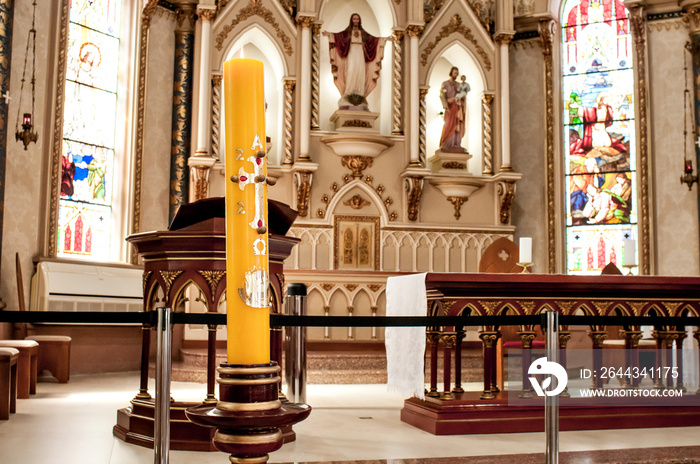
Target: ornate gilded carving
x,y
212,278
215,114
206,14
528,307
169,277
632,335
357,164
448,340
598,337
255,8
486,101
181,120
457,26
288,115
144,278
637,307
375,287
526,338
351,287
315,74
671,307
327,286
414,187
201,181
421,130
57,146
691,18
289,6
447,306
302,182
396,95
489,338
185,13
457,202
357,123
305,21
546,29
506,193
637,20
489,306
357,202
564,338
564,306
414,30
601,307
453,165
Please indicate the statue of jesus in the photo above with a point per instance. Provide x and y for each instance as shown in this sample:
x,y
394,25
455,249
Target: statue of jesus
x,y
356,59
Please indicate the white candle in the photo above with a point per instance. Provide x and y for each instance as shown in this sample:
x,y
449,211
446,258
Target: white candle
x,y
630,252
526,250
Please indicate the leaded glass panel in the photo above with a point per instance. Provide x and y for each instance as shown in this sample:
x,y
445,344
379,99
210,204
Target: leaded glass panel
x,y
91,58
599,131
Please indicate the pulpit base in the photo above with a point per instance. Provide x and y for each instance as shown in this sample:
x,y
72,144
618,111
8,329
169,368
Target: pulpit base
x,y
135,426
467,414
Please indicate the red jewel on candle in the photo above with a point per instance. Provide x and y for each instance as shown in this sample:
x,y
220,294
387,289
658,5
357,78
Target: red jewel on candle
x,y
258,160
243,178
259,223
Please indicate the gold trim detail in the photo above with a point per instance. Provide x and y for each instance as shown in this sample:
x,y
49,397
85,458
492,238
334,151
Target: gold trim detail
x,y
212,278
169,277
201,181
336,233
357,202
255,460
248,370
456,25
288,115
546,30
215,114
146,276
457,202
637,20
248,439
255,8
414,30
315,74
396,100
486,101
302,183
263,381
421,126
58,130
414,187
146,16
506,191
357,164
453,165
261,406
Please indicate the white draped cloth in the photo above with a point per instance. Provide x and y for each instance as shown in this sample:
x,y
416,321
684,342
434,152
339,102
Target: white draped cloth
x,y
405,346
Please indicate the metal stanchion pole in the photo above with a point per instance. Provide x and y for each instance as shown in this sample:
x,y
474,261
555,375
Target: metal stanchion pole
x,y
295,351
551,403
161,435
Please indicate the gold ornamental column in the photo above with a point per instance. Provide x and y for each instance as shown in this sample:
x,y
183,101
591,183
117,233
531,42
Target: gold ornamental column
x,y
182,108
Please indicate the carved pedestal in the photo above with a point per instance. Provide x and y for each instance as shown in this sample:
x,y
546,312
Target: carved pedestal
x,y
249,414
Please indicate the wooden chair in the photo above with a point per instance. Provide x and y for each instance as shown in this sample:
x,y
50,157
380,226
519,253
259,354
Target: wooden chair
x,y
8,382
26,365
54,350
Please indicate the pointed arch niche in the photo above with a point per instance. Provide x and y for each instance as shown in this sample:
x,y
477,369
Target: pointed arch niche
x,y
254,42
378,18
456,54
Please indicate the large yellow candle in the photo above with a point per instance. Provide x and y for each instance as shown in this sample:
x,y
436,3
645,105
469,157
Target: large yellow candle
x,y
247,265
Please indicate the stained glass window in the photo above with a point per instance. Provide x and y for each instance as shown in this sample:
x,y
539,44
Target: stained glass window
x,y
89,129
599,134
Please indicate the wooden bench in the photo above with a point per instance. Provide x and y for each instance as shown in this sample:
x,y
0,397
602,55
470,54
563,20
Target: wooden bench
x,y
8,382
54,355
26,366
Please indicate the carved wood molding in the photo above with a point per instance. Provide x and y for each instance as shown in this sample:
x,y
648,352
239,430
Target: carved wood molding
x,y
255,8
506,192
456,26
414,187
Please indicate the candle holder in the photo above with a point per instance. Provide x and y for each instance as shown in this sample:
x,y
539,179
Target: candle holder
x,y
629,268
249,413
526,268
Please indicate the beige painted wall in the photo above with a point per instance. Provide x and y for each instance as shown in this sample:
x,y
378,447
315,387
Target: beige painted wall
x,y
675,208
529,212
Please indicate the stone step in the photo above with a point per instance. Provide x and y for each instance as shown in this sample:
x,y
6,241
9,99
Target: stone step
x,y
329,367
